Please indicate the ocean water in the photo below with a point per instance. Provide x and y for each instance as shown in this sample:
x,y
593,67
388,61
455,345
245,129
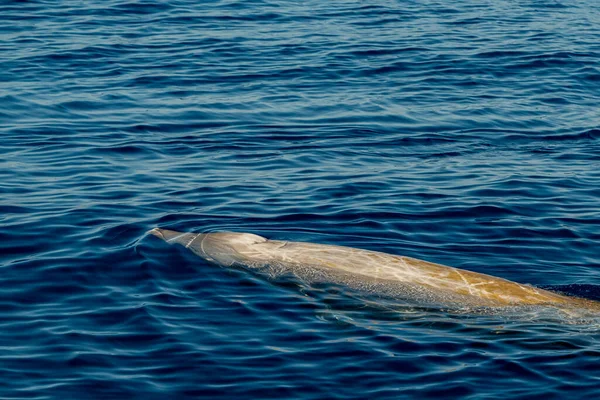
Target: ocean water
x,y
464,133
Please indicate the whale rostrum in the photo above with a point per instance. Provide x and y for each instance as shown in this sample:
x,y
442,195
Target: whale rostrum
x,y
381,273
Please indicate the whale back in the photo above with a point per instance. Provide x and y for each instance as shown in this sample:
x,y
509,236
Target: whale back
x,y
373,271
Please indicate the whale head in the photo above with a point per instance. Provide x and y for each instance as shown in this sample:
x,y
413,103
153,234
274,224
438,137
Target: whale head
x,y
222,248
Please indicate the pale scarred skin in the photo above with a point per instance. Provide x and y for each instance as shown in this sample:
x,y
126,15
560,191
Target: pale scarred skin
x,y
370,270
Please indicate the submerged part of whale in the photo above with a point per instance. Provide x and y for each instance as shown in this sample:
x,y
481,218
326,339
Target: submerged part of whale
x,y
371,271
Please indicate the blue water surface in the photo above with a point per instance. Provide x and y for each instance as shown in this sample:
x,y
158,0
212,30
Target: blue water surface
x,y
463,132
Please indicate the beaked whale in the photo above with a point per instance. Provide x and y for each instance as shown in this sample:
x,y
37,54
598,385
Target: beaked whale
x,y
387,274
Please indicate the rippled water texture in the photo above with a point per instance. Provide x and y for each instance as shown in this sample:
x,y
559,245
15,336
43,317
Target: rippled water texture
x,y
464,133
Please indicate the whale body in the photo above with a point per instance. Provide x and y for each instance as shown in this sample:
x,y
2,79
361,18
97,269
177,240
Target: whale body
x,y
376,272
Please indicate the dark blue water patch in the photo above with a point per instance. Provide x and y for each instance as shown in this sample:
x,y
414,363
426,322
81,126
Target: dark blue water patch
x,y
463,134
579,290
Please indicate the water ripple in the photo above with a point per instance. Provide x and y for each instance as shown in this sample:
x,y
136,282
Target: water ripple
x,y
463,133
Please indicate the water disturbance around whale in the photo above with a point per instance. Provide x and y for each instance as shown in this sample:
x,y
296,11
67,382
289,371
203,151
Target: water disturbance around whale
x,y
375,272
